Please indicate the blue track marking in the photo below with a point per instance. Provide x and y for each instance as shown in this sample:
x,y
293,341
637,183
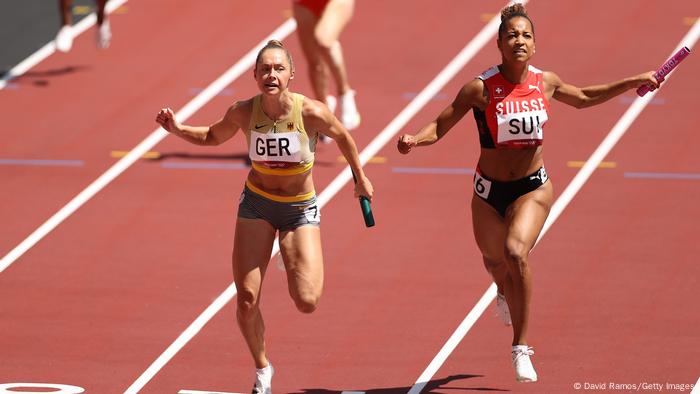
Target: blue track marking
x,y
46,163
662,175
206,166
433,170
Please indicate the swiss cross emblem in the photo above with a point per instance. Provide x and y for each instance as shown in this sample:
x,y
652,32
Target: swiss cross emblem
x,y
499,92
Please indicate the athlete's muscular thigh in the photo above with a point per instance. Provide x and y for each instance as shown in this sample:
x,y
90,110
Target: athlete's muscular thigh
x,y
525,218
306,26
489,229
303,260
252,247
333,20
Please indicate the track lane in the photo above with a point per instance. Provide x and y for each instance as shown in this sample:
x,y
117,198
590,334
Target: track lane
x,y
356,319
306,360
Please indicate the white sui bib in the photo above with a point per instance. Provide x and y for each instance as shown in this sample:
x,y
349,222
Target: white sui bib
x,y
521,126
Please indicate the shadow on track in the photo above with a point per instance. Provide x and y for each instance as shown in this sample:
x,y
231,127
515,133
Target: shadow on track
x,y
43,78
429,388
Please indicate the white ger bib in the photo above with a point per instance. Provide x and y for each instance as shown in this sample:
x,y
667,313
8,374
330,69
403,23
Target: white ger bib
x,y
275,147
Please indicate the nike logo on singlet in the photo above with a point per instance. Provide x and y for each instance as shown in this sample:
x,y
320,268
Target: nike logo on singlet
x,y
259,126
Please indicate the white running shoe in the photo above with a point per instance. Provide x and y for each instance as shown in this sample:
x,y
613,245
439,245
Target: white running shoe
x,y
263,380
104,35
349,115
331,103
64,39
502,310
524,371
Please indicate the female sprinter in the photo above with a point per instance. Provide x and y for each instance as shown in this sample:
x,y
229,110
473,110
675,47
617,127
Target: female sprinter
x,y
512,193
281,129
320,23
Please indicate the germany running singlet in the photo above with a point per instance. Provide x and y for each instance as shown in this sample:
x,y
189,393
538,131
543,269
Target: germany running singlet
x,y
516,112
280,147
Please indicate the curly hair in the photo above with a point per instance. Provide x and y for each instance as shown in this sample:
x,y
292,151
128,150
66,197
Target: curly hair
x,y
511,11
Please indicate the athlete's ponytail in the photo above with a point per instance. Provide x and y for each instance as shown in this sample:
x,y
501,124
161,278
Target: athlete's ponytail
x,y
275,44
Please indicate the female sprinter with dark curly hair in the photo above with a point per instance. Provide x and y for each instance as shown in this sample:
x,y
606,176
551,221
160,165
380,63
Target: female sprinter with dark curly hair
x,y
512,193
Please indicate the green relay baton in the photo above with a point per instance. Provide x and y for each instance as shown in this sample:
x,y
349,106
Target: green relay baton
x,y
365,206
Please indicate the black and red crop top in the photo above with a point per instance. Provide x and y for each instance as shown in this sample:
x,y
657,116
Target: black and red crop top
x,y
515,113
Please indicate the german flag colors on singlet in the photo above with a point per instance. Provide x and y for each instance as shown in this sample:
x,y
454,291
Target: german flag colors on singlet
x,y
515,114
280,147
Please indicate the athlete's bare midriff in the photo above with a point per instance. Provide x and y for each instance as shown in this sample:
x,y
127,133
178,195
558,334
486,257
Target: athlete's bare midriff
x,y
510,164
282,185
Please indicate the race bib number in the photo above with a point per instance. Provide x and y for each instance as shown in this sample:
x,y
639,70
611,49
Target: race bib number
x,y
275,147
482,186
521,126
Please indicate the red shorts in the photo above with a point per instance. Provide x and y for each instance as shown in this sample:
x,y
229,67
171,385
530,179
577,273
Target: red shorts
x,y
315,6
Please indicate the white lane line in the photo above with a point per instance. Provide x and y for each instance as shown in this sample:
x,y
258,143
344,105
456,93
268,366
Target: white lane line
x,y
386,135
454,339
696,388
564,199
48,49
204,392
243,65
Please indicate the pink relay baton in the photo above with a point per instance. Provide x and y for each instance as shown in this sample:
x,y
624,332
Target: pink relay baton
x,y
661,73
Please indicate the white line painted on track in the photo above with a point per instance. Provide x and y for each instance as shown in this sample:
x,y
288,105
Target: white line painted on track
x,y
243,65
48,49
352,392
696,389
564,199
182,340
204,392
386,135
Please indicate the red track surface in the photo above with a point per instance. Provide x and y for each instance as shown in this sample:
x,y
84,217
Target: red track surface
x,y
100,298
